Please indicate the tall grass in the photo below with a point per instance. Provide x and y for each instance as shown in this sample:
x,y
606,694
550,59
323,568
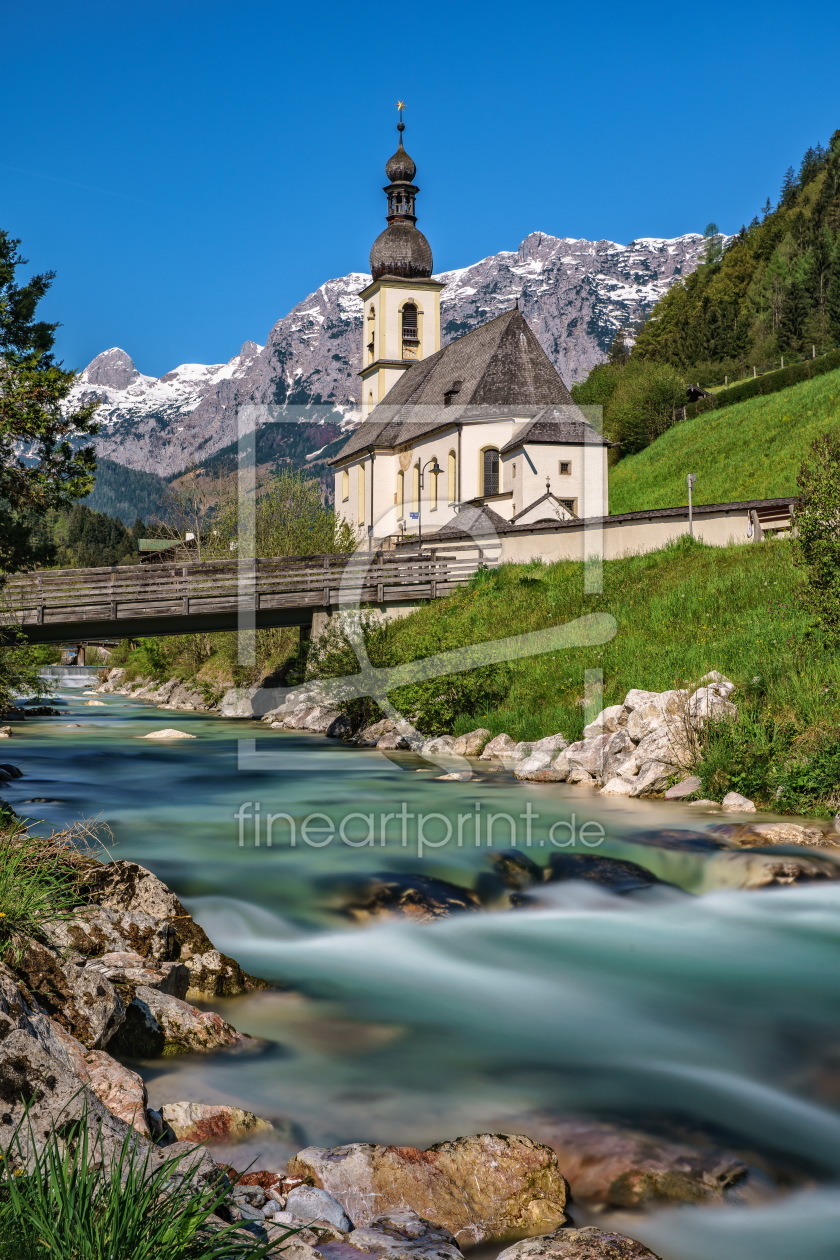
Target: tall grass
x,y
39,883
751,450
680,612
70,1202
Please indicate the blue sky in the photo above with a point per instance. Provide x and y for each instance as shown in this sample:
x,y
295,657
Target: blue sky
x,y
193,169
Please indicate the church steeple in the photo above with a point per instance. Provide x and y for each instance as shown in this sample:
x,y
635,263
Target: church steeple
x,y
402,303
401,250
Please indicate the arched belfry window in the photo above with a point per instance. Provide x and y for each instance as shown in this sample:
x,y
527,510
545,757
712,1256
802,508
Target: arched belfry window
x,y
410,331
490,470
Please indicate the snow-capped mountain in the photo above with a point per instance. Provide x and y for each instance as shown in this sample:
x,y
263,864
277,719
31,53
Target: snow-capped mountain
x,y
575,293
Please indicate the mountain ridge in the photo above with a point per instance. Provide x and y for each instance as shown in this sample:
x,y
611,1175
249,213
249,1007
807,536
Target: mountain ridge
x,y
575,293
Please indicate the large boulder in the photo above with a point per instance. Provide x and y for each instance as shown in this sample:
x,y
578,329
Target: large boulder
x,y
499,748
588,1243
158,1024
118,1088
617,1166
472,744
128,889
487,1186
76,995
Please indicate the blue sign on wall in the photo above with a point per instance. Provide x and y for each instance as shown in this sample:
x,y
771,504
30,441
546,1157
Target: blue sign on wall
x,y
415,516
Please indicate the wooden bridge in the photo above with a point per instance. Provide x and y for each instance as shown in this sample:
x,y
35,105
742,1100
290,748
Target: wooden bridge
x,y
126,601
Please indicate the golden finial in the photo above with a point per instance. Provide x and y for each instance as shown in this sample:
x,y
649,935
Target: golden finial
x,y
401,106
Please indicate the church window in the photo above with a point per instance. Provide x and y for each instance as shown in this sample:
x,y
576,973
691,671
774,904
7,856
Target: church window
x,y
361,487
449,395
434,473
345,486
565,467
400,493
415,488
490,471
371,344
569,505
452,476
410,333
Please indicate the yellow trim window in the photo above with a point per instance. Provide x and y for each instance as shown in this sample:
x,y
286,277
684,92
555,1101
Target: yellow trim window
x,y
452,471
400,495
345,485
435,472
415,488
490,471
362,497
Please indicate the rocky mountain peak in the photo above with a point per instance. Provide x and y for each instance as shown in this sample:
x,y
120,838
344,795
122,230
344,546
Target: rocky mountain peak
x,y
112,368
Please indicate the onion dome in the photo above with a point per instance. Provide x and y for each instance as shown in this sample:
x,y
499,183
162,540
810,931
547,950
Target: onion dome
x,y
400,166
401,250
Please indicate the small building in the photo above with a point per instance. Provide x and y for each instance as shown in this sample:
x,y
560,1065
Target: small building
x,y
485,420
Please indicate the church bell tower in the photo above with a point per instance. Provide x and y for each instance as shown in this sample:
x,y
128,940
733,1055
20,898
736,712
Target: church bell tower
x,y
401,305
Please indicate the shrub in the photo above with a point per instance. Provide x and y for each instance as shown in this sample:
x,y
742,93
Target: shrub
x,y
817,542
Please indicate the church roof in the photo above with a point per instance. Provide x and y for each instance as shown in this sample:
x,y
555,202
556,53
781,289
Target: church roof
x,y
500,368
556,426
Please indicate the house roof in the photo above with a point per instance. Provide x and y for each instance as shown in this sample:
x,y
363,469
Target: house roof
x,y
556,426
498,369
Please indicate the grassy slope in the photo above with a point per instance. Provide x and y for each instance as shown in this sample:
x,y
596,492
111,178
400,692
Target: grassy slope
x,y
680,612
751,450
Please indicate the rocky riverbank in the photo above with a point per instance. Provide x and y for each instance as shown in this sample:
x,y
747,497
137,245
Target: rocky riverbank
x,y
114,981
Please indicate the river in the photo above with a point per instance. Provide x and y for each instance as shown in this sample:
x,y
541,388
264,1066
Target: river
x,y
705,1002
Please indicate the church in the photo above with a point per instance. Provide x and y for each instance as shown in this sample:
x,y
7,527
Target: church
x,y
484,422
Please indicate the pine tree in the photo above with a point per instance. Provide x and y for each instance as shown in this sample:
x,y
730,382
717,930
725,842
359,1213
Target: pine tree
x,y
41,464
713,250
789,187
619,351
768,208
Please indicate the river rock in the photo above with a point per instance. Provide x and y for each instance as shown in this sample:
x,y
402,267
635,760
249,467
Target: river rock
x,y
119,1089
784,833
685,787
158,1024
439,745
213,1122
472,744
77,996
6,732
737,804
119,887
588,1243
392,740
168,732
309,1203
41,1084
100,930
499,748
127,971
481,1187
611,1165
606,722
404,1236
369,736
761,870
418,897
9,771
539,767
516,869
616,874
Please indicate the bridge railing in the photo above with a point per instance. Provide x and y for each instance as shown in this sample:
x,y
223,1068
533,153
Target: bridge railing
x,y
215,586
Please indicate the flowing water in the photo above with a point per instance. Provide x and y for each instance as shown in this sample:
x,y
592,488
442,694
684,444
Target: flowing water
x,y
703,1002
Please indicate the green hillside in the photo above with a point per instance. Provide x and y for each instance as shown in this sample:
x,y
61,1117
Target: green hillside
x,y
751,450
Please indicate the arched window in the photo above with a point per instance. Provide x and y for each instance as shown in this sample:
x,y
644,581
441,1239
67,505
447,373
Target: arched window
x,y
371,337
452,477
345,486
434,473
400,494
360,512
410,333
490,470
415,488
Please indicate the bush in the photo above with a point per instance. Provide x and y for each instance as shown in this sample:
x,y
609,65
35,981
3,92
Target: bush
x,y
817,542
768,383
70,1204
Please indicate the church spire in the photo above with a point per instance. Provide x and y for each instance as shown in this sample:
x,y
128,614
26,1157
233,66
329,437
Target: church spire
x,y
401,250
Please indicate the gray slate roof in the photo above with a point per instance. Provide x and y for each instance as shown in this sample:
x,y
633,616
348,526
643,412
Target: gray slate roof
x,y
556,425
474,519
498,369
